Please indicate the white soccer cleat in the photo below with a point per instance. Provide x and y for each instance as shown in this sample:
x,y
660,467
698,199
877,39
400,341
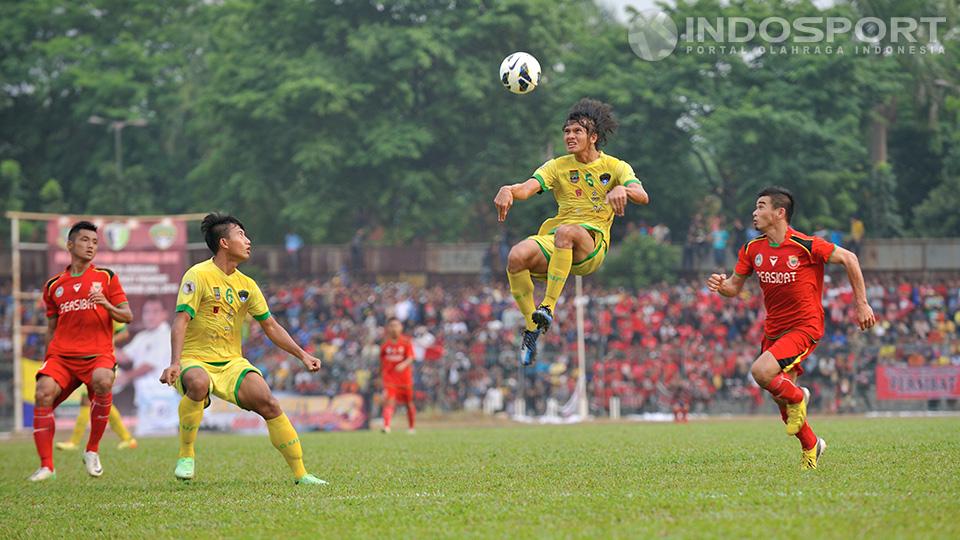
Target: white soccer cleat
x,y
385,429
42,474
411,431
91,460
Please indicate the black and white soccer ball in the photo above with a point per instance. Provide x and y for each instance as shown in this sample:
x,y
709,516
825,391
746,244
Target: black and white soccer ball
x,y
520,73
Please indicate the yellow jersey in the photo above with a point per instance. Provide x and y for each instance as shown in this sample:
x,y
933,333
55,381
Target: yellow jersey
x,y
218,305
581,190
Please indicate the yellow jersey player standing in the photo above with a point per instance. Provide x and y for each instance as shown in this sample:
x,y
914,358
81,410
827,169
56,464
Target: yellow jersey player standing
x,y
590,187
212,305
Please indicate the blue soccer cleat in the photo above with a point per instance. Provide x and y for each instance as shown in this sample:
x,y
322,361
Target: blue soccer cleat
x,y
528,349
543,317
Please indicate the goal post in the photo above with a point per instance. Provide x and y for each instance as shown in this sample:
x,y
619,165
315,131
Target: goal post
x,y
580,303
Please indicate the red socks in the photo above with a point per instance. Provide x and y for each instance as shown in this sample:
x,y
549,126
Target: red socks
x,y
99,417
807,438
783,388
387,415
44,426
411,413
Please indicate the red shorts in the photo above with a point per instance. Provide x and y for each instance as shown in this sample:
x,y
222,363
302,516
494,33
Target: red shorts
x,y
403,394
70,373
790,349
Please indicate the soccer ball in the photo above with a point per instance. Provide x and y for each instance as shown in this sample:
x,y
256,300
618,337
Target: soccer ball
x,y
520,73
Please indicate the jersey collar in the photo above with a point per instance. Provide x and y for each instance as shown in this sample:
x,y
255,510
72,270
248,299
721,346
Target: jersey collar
x,y
786,236
71,274
578,162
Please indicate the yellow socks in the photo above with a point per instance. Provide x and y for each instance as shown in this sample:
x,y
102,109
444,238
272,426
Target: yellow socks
x,y
191,413
557,272
521,287
83,419
116,424
286,440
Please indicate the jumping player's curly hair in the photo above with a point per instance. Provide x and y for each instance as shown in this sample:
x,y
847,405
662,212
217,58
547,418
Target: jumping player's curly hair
x,y
595,116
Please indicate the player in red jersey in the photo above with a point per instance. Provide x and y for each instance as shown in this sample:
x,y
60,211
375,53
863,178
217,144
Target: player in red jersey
x,y
82,302
789,266
396,359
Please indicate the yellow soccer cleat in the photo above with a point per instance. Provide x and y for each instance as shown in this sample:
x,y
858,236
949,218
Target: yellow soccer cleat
x,y
129,444
797,413
810,458
66,445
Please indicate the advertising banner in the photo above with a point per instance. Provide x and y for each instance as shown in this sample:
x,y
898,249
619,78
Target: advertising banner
x,y
918,382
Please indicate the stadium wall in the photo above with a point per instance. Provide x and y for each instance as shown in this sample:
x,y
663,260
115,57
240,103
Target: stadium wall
x,y
465,262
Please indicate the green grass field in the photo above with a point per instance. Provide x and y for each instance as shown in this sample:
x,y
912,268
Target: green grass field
x,y
880,478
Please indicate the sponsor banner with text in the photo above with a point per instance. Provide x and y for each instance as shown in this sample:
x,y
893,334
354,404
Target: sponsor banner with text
x,y
942,382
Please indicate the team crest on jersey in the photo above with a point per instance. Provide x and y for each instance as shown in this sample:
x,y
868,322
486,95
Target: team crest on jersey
x,y
758,260
117,235
76,287
774,259
188,287
59,292
605,178
216,293
243,295
574,177
96,287
163,235
579,192
793,262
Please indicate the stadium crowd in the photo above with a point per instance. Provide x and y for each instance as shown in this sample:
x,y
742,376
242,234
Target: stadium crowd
x,y
649,348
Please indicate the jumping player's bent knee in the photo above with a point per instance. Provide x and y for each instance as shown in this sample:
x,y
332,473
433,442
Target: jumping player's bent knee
x,y
564,236
519,257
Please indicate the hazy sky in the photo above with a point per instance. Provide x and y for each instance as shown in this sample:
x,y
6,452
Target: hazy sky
x,y
643,5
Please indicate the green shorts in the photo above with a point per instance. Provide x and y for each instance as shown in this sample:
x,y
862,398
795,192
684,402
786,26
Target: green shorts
x,y
225,377
584,267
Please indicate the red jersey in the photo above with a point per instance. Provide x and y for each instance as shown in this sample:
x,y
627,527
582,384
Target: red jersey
x,y
83,328
392,352
791,278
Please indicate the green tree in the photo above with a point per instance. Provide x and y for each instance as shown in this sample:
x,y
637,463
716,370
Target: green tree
x,y
51,197
640,261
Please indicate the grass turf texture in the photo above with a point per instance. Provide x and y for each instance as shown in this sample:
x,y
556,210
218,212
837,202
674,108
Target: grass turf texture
x,y
879,478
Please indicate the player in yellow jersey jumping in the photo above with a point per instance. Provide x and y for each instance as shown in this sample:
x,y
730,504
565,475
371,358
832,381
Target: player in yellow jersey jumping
x,y
206,357
590,187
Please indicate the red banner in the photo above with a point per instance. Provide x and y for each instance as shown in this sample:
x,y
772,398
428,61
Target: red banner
x,y
150,256
918,382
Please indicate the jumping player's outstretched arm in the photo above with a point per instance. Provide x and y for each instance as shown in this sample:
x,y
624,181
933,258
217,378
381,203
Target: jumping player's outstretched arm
x,y
282,339
849,260
507,194
619,195
729,287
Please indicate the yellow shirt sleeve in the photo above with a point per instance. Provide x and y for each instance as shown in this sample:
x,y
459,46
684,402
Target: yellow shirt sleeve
x,y
257,304
627,176
546,174
188,298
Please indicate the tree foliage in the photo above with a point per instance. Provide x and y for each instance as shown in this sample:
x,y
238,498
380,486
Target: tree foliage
x,y
323,117
640,261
